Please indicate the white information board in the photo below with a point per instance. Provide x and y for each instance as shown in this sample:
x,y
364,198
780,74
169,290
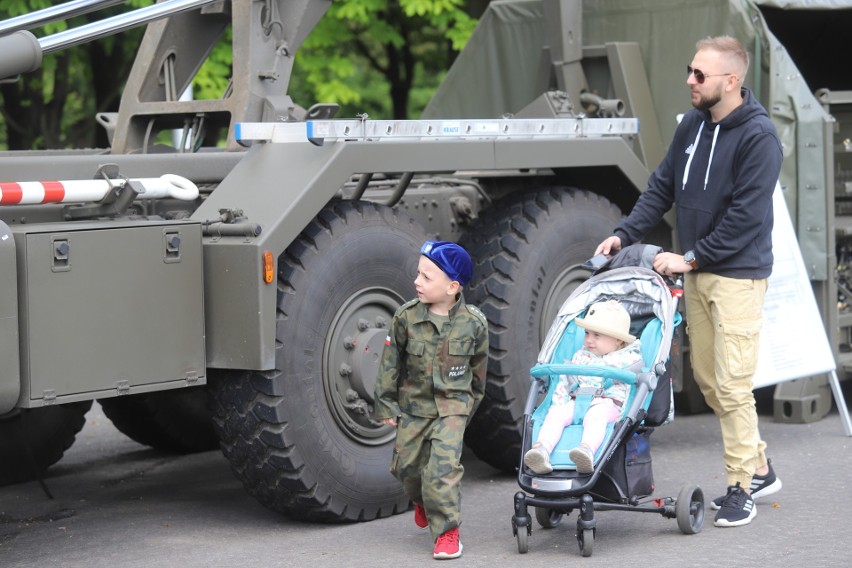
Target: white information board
x,y
793,342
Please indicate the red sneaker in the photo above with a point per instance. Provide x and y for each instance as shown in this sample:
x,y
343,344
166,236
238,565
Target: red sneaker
x,y
420,518
448,545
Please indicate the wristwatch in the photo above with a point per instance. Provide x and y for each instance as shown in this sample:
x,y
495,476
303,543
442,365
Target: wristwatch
x,y
689,258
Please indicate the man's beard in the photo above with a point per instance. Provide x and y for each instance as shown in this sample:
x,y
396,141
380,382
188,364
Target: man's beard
x,y
706,103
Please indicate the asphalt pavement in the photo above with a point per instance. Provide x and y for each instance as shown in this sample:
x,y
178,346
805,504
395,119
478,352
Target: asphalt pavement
x,y
119,504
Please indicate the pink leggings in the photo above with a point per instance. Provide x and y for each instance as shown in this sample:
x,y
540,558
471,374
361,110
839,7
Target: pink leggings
x,y
602,412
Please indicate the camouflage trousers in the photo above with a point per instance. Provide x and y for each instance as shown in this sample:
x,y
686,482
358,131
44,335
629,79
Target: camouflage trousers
x,y
426,459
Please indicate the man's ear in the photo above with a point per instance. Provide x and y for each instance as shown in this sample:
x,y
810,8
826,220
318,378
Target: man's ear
x,y
732,82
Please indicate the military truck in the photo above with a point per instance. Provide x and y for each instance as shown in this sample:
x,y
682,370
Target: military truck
x,y
256,262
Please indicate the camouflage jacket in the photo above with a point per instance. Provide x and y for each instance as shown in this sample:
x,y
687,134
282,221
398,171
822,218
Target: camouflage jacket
x,y
429,372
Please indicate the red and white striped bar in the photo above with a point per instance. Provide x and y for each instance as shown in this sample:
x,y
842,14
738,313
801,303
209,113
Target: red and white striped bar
x,y
83,191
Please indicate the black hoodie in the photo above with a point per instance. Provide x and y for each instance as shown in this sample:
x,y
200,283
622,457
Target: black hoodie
x,y
721,178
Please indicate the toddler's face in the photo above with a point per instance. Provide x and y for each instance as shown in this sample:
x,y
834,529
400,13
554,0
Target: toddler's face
x,y
601,344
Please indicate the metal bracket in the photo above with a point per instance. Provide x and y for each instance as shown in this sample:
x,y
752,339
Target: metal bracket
x,y
115,202
231,223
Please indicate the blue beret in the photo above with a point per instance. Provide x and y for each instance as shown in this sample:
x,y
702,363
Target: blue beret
x,y
451,258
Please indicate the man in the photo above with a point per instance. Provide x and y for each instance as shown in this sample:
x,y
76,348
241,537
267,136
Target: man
x,y
720,172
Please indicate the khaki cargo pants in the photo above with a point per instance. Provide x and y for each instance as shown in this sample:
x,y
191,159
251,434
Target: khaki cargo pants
x,y
724,317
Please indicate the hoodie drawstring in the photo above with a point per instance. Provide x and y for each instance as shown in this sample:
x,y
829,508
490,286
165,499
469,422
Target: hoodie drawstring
x,y
709,161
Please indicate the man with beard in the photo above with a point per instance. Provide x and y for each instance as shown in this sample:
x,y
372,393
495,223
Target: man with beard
x,y
720,172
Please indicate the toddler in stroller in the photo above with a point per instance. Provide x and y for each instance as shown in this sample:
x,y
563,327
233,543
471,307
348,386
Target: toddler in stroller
x,y
620,470
607,341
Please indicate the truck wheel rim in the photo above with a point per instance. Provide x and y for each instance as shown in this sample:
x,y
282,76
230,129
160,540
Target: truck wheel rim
x,y
351,362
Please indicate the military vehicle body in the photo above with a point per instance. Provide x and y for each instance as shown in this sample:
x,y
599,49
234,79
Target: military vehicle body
x,y
270,291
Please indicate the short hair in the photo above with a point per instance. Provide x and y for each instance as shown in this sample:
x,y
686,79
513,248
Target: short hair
x,y
729,47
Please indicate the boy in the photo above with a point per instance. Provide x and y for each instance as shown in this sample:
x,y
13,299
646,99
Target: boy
x,y
607,343
431,380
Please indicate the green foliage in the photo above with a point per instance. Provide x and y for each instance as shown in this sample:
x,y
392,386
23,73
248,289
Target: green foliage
x,y
54,107
380,57
212,79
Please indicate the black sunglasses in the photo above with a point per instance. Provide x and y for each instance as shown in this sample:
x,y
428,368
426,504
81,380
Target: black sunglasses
x,y
700,75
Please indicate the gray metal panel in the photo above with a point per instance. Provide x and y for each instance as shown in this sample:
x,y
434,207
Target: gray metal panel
x,y
10,378
282,186
813,231
122,311
240,308
200,167
577,152
630,83
295,180
563,23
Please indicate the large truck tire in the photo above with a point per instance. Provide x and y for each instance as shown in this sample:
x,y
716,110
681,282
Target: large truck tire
x,y
177,421
528,251
33,439
301,438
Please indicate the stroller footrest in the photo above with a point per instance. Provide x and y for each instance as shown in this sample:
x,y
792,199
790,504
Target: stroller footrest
x,y
570,439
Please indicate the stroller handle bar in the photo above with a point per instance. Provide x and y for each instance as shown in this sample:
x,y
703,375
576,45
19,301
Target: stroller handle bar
x,y
544,370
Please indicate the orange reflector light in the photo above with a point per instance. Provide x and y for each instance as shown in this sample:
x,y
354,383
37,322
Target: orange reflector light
x,y
268,267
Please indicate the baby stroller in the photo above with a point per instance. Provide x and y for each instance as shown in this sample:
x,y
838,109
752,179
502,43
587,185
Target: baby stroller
x,y
622,464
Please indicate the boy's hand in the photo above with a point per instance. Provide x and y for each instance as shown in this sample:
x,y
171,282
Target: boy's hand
x,y
388,421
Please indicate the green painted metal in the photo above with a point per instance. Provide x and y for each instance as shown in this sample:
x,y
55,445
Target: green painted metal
x,y
10,380
632,52
109,309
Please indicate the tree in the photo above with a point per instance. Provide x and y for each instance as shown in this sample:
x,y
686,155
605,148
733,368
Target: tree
x,y
380,57
54,106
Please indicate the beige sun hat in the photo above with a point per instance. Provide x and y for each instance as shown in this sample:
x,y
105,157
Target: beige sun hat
x,y
608,318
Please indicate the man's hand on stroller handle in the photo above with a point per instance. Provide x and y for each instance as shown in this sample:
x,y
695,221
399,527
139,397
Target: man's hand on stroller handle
x,y
669,264
610,245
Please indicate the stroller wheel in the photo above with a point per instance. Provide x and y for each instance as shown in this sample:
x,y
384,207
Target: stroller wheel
x,y
523,536
689,509
547,518
586,540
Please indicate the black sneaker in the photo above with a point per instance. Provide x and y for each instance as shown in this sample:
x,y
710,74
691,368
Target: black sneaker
x,y
737,509
761,486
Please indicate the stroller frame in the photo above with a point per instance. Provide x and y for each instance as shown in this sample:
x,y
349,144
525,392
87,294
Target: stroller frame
x,y
560,492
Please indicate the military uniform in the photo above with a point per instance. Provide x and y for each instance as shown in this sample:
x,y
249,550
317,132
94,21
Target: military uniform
x,y
431,380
